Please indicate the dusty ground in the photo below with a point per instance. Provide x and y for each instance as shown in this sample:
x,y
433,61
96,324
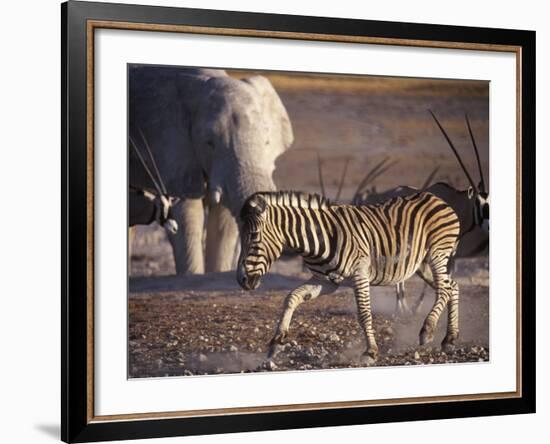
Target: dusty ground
x,y
215,327
207,324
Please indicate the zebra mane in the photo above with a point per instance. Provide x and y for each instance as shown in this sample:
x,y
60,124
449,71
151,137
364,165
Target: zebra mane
x,y
295,199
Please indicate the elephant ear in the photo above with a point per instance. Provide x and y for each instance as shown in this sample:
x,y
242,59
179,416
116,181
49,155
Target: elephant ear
x,y
281,129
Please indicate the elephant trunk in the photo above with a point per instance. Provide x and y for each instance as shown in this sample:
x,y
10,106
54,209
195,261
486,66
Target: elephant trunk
x,y
246,184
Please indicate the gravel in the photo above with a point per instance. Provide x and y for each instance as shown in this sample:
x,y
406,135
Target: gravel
x,y
188,333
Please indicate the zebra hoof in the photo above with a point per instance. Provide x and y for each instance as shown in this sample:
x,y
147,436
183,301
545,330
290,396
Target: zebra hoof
x,y
274,350
370,356
276,345
426,336
448,344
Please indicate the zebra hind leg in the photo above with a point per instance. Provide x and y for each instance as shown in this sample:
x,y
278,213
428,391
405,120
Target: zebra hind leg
x,y
425,273
305,292
445,288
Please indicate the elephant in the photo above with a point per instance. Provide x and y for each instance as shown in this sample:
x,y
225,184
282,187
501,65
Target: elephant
x,y
215,139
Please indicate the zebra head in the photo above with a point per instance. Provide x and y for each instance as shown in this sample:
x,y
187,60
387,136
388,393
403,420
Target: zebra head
x,y
259,246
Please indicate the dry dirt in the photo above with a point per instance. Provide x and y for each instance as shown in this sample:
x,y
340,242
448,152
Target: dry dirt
x,y
206,324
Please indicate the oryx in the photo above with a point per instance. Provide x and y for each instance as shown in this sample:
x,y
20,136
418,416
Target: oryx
x,y
471,206
146,206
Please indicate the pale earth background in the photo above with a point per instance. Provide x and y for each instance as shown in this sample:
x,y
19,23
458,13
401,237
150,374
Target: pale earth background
x,y
30,375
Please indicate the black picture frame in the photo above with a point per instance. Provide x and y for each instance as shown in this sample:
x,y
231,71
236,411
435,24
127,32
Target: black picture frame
x,y
77,425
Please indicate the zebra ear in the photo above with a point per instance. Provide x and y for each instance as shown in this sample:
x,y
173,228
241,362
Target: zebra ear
x,y
470,192
255,206
258,204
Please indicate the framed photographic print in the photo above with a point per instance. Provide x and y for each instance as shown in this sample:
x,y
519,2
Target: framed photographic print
x,y
277,221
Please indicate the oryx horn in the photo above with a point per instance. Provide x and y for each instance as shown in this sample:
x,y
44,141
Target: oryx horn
x,y
342,179
456,153
320,173
368,177
153,162
142,160
430,178
383,170
482,179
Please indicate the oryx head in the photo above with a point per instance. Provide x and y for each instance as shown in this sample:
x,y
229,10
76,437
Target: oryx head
x,y
163,203
477,194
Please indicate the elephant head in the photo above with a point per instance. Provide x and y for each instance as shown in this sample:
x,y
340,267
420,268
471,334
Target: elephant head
x,y
238,131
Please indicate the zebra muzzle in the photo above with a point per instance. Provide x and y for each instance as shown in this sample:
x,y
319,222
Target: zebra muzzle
x,y
250,282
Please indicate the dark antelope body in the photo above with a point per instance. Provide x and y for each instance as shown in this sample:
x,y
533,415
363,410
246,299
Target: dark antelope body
x,y
367,245
470,205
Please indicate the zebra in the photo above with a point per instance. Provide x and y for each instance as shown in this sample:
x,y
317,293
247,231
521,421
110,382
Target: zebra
x,y
471,206
368,245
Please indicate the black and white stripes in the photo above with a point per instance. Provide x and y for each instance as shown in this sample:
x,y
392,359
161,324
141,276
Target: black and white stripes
x,y
366,245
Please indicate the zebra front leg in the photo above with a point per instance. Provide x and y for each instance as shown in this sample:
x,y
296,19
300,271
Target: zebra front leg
x,y
305,292
361,288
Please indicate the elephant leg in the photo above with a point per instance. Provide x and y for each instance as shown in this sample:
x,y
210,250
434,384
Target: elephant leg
x,y
187,242
222,240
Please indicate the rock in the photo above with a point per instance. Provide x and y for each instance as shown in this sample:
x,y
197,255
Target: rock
x,y
270,365
233,349
387,330
416,355
187,373
334,337
203,357
323,336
